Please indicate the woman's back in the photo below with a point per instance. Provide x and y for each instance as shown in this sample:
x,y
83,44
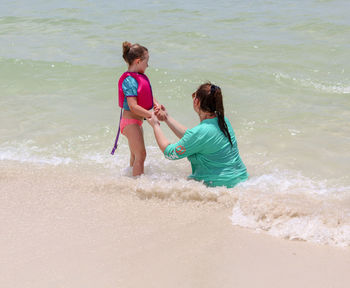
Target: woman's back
x,y
212,157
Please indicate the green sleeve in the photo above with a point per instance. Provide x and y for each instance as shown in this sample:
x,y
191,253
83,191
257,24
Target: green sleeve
x,y
192,142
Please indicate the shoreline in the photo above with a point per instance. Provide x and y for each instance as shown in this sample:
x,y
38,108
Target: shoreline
x,y
70,228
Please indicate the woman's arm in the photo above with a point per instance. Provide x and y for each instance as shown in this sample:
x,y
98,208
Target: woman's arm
x,y
178,129
193,141
162,141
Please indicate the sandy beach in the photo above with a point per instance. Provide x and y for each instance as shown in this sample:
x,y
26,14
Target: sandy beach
x,y
60,230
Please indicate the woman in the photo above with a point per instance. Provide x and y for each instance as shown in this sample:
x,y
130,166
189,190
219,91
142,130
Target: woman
x,y
211,146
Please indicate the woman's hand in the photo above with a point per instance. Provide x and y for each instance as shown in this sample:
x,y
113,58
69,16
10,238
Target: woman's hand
x,y
153,121
162,141
161,112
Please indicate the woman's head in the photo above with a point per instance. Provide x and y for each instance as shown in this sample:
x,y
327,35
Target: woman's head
x,y
210,100
136,54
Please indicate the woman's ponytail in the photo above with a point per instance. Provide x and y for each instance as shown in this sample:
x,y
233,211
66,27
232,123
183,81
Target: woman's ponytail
x,y
210,99
220,111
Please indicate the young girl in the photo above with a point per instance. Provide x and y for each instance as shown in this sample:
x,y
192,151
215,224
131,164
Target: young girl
x,y
136,99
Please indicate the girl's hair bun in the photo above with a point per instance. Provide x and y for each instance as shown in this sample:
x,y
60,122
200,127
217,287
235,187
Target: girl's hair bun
x,y
126,47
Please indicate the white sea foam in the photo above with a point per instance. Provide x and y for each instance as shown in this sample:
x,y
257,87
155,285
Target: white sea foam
x,y
293,226
293,182
283,207
24,155
290,205
284,203
337,88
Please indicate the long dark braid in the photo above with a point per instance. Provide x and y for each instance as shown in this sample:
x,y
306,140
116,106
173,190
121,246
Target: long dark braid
x,y
210,99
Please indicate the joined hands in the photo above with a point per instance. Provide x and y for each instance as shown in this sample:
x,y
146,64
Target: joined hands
x,y
159,114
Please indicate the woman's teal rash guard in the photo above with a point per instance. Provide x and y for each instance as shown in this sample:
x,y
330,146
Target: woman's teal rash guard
x,y
212,157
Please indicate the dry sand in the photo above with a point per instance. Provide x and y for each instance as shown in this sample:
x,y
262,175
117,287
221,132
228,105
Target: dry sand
x,y
63,227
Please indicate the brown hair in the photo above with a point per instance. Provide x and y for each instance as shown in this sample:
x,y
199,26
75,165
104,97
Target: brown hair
x,y
133,51
210,99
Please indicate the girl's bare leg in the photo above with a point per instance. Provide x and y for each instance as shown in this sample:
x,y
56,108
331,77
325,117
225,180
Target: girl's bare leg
x,y
132,159
134,133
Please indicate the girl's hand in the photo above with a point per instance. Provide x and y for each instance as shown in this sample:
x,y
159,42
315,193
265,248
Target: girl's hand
x,y
153,121
161,113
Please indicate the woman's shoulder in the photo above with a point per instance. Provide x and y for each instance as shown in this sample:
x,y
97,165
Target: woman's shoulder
x,y
227,120
201,131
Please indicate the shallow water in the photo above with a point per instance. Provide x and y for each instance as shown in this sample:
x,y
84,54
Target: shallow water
x,y
283,67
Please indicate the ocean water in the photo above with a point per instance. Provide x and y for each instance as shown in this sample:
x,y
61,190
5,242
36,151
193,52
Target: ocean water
x,y
284,69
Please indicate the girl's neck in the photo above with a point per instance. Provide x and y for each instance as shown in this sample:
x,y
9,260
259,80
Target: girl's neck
x,y
133,68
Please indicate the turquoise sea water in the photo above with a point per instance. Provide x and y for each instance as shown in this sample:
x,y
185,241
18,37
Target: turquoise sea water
x,y
283,67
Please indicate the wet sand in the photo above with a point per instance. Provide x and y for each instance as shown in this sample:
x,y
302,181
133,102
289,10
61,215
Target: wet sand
x,y
64,227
